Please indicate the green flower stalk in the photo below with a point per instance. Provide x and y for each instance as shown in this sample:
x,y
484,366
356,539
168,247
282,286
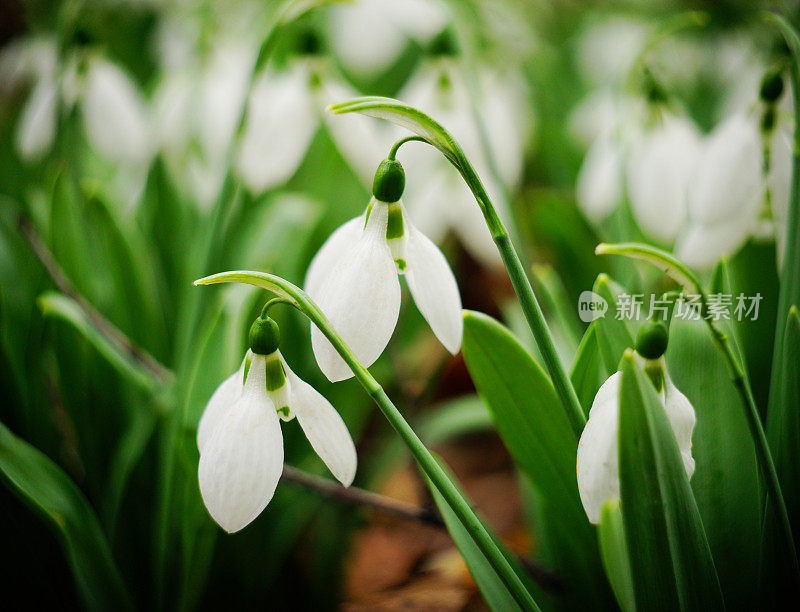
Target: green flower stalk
x,y
431,132
426,461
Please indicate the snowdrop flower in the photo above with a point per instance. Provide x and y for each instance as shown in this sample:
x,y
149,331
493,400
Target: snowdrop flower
x,y
369,35
198,106
659,170
239,434
354,279
437,197
726,194
614,123
115,114
597,462
286,109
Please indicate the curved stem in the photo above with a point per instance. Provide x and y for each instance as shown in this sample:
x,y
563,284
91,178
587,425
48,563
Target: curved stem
x,y
426,461
524,290
401,142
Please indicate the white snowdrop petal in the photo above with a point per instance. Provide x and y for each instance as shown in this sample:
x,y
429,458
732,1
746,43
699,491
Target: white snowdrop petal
x,y
434,288
243,460
599,188
659,170
360,298
220,402
281,121
680,413
728,179
364,38
331,253
702,246
597,461
37,124
324,428
115,114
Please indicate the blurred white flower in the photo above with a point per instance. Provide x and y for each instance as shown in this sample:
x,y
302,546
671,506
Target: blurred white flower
x,y
240,440
600,179
368,35
437,197
607,48
115,115
726,193
660,165
285,111
597,462
354,280
613,124
198,106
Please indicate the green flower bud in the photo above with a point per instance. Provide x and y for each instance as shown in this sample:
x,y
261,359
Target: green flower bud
x,y
264,336
651,341
390,180
771,87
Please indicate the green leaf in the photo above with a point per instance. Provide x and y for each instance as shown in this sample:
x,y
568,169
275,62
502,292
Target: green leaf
x,y
614,550
489,583
588,371
784,423
60,306
726,480
42,485
670,559
614,335
528,417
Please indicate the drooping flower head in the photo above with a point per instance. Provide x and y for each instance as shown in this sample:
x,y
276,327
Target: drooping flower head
x,y
239,435
597,462
354,279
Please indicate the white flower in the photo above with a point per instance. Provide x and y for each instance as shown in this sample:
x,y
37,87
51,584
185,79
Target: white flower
x,y
369,35
115,115
660,166
240,441
597,463
284,113
726,194
198,107
354,280
613,125
437,197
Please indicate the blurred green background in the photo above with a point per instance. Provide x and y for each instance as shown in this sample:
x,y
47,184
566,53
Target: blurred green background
x,y
135,157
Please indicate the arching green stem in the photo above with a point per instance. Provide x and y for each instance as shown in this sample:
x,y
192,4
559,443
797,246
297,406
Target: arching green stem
x,y
434,134
427,463
401,142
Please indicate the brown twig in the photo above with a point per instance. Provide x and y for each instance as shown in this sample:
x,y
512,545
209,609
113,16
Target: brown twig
x,y
362,497
112,333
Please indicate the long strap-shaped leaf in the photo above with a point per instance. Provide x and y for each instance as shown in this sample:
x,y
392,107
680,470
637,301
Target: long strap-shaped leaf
x,y
41,484
670,560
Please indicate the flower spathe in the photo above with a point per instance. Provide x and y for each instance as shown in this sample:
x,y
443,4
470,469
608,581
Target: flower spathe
x,y
597,461
354,280
240,441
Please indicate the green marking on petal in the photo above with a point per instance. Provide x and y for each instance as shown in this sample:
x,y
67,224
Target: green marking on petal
x,y
394,225
401,264
284,412
275,376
